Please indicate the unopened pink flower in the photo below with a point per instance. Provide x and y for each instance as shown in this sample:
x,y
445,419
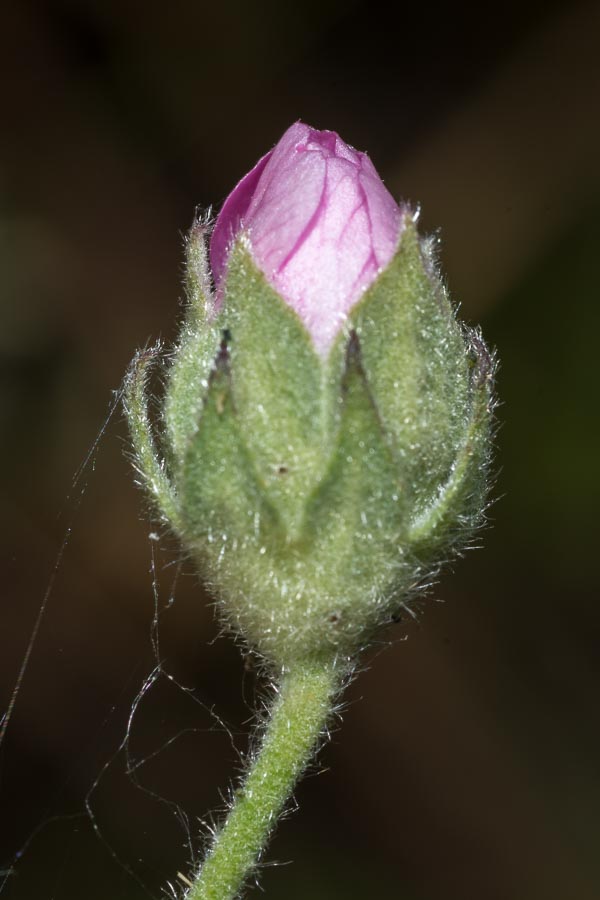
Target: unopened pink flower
x,y
320,223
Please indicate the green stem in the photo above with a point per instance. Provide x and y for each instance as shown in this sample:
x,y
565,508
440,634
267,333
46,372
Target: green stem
x,y
299,715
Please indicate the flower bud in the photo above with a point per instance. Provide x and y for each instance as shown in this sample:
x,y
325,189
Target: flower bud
x,y
327,418
320,224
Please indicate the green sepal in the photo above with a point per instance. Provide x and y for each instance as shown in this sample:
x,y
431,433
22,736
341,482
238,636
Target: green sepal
x,y
416,363
150,466
223,505
198,286
356,518
277,386
459,506
193,356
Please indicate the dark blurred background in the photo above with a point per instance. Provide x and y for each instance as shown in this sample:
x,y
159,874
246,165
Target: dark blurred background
x,y
468,761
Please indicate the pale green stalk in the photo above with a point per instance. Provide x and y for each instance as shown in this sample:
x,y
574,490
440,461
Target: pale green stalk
x,y
303,704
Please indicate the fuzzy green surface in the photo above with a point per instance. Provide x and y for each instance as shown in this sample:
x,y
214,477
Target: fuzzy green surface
x,y
298,720
316,494
194,355
413,350
149,466
276,384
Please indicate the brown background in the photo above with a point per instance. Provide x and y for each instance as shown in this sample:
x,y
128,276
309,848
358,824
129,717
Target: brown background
x,y
467,764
